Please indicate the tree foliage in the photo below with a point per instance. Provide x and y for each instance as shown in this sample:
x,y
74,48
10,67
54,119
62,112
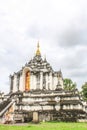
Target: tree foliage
x,y
69,84
84,91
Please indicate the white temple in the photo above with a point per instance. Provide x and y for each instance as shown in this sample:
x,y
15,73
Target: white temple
x,y
37,94
36,75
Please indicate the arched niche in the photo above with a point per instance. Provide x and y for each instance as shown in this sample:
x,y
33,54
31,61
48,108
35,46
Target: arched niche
x,y
26,79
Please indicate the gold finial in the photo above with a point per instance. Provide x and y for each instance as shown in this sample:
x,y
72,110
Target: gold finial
x,y
38,51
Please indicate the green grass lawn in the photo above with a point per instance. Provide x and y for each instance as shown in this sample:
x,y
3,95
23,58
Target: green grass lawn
x,y
47,126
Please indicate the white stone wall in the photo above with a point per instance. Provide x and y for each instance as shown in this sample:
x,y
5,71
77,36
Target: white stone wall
x,y
36,99
57,107
31,108
71,98
37,108
73,107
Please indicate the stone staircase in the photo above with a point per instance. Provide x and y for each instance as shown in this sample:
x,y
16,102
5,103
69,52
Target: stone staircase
x,y
5,105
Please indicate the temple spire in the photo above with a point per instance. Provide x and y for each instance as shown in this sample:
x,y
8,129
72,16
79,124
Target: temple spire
x,y
38,50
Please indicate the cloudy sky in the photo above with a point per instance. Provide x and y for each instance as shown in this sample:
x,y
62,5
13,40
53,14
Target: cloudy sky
x,y
59,25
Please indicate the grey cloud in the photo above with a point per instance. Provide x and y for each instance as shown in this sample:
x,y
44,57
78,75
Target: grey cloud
x,y
79,73
69,38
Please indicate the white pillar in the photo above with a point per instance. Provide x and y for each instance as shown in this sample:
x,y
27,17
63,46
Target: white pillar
x,y
34,82
21,83
31,81
41,80
15,83
55,82
18,82
11,83
61,81
47,81
50,78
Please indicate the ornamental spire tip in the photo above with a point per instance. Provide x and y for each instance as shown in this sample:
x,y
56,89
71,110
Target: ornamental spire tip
x,y
38,50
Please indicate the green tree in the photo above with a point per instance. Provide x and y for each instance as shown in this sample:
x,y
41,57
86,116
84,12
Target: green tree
x,y
84,91
69,85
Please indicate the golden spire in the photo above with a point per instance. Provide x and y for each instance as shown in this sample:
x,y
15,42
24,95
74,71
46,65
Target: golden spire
x,y
38,51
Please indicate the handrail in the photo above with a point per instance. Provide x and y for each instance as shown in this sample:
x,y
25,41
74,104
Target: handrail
x,y
6,107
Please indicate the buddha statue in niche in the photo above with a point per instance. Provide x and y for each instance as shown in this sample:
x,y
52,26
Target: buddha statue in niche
x,y
27,81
